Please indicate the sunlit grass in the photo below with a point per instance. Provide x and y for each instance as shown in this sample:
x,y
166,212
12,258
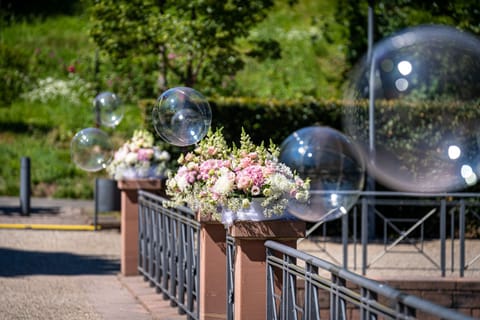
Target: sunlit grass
x,y
43,133
312,61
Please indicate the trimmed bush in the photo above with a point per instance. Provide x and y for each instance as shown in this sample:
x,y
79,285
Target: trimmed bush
x,y
263,119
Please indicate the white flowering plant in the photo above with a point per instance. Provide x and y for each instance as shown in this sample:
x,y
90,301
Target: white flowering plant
x,y
215,176
139,158
75,90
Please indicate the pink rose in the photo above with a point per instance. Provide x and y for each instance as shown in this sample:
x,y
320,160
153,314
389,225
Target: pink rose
x,y
255,191
145,154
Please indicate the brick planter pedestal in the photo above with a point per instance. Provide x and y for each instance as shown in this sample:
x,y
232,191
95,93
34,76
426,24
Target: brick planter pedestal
x,y
213,266
250,261
129,220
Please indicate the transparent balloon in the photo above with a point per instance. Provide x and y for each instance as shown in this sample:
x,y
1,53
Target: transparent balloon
x,y
109,109
418,120
334,166
182,116
91,149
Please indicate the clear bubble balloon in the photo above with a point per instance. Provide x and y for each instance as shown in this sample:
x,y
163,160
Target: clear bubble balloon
x,y
334,166
91,149
109,109
182,116
418,121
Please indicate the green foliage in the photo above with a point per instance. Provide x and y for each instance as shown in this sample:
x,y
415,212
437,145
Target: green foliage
x,y
52,45
44,133
13,73
34,54
309,61
394,15
275,120
283,64
173,43
14,10
266,119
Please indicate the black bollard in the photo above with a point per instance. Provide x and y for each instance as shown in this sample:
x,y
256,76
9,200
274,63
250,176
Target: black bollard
x,y
25,186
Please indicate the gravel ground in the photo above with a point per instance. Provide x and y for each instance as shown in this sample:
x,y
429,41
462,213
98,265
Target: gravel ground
x,y
63,275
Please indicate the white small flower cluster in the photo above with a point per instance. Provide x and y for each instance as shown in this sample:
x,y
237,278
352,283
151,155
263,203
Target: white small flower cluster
x,y
75,90
139,158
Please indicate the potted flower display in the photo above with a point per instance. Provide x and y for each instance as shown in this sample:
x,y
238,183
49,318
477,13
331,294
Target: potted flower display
x,y
139,158
245,182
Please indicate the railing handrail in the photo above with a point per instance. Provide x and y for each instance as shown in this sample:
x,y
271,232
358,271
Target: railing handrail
x,y
401,193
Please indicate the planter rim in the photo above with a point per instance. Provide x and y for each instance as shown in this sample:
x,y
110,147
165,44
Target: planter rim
x,y
136,184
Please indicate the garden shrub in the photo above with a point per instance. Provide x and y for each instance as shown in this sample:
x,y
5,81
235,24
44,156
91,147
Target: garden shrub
x,y
263,119
13,73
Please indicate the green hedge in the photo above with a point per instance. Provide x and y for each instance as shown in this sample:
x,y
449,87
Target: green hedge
x,y
264,119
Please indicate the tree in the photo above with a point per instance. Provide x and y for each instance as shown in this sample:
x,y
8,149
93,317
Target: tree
x,y
394,15
181,42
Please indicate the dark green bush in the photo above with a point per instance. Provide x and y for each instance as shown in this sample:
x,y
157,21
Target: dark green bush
x,y
13,73
264,119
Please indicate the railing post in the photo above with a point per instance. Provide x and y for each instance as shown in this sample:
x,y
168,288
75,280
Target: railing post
x,y
443,231
461,225
345,240
364,234
129,220
213,265
250,262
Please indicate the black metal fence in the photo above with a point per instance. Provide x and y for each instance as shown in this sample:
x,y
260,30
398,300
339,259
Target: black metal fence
x,y
345,295
169,252
169,246
445,215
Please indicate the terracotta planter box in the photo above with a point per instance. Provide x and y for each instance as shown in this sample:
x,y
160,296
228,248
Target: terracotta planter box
x,y
250,261
129,220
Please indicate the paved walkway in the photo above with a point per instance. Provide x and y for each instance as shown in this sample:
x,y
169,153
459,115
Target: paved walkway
x,y
53,274
58,274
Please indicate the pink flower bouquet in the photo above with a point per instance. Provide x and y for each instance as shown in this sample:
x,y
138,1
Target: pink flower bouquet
x,y
215,178
138,158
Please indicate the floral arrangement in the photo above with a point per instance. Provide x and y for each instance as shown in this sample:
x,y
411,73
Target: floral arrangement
x,y
215,176
139,158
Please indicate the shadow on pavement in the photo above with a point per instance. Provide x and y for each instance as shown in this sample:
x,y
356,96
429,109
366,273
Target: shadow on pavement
x,y
15,210
14,263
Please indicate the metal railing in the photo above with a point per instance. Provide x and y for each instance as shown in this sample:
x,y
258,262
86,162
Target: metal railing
x,y
169,246
169,252
347,295
431,209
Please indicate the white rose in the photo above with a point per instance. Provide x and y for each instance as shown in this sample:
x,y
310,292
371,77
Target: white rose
x,y
224,183
131,158
182,183
120,155
161,155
